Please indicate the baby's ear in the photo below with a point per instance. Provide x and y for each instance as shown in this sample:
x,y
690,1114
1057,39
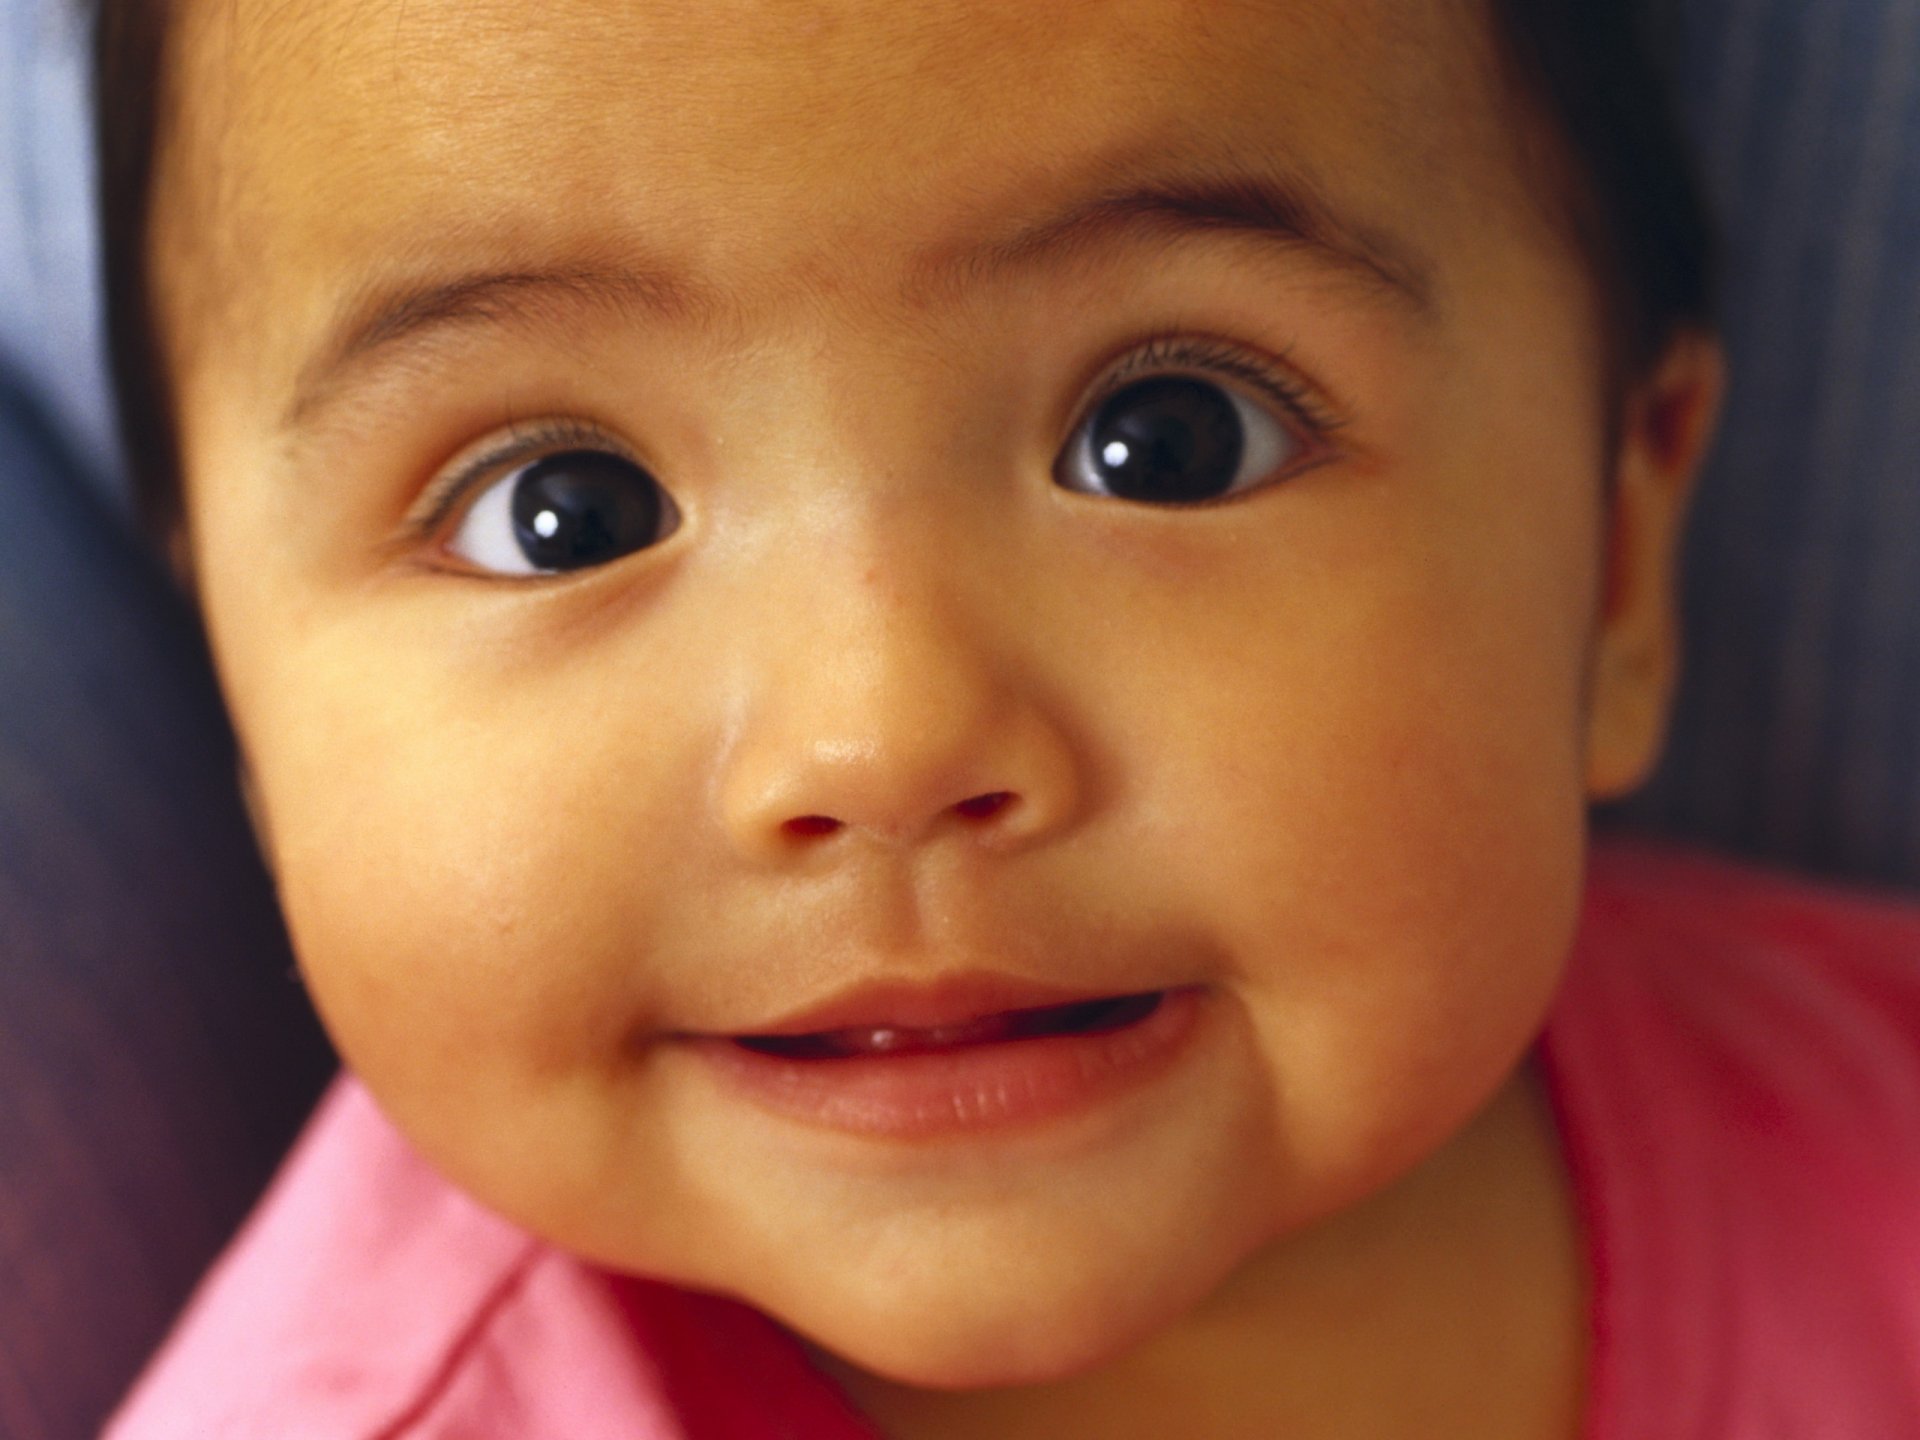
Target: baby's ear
x,y
1665,425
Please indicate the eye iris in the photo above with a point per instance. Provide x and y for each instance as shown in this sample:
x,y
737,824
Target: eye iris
x,y
1170,438
583,508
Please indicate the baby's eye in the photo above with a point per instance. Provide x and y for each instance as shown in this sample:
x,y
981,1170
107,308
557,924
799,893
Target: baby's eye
x,y
1180,439
563,512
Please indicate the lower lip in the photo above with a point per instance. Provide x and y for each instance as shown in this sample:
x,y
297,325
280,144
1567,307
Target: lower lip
x,y
966,1090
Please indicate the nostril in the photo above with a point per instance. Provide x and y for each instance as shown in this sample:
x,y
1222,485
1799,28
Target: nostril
x,y
811,825
981,806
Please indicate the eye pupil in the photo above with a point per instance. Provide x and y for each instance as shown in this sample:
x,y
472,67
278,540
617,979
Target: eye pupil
x,y
583,507
1172,438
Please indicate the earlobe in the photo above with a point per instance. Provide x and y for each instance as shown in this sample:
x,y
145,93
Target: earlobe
x,y
1666,425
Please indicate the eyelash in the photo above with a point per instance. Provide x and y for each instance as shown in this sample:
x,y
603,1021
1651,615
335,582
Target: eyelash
x,y
1158,353
1274,380
524,443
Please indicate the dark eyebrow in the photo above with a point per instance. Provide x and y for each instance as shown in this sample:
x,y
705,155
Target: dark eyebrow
x,y
1268,209
378,317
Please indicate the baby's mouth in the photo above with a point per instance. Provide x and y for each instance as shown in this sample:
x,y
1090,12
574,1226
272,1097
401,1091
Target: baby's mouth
x,y
1077,1018
971,1055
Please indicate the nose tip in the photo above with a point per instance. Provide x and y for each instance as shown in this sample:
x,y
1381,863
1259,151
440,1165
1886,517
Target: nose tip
x,y
992,775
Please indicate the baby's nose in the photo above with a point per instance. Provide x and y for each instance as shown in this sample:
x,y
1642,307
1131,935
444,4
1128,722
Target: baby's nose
x,y
893,717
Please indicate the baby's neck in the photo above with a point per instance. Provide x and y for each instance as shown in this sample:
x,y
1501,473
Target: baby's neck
x,y
1452,1304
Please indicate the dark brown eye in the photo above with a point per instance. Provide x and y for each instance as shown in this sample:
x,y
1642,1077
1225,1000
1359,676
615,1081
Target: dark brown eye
x,y
563,512
1172,440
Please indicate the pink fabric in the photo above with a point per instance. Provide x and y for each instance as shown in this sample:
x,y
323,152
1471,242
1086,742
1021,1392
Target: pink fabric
x,y
367,1299
1734,1061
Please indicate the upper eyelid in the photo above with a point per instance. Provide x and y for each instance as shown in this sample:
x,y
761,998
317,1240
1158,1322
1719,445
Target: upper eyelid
x,y
524,444
1276,377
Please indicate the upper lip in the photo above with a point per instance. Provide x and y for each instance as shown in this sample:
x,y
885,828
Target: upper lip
x,y
926,1004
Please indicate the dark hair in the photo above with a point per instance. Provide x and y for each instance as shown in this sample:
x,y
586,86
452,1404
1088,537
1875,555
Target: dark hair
x,y
1583,67
1600,82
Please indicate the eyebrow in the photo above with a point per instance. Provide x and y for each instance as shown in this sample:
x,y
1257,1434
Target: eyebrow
x,y
376,319
1274,211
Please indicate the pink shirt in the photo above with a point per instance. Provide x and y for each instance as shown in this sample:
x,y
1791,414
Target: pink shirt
x,y
1734,1061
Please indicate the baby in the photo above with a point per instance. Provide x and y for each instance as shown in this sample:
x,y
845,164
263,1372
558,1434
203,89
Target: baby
x,y
922,681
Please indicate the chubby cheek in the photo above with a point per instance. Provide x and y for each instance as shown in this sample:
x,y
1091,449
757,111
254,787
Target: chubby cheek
x,y
478,948
1414,953
1397,861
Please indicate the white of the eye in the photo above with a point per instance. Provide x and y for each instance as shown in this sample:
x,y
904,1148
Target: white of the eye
x,y
1266,447
485,537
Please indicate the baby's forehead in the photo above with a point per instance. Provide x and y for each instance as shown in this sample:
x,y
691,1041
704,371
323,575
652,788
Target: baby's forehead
x,y
755,143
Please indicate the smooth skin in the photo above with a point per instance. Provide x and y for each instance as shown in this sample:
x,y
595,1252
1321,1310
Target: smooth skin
x,y
1323,749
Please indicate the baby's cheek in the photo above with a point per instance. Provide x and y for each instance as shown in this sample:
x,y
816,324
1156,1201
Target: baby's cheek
x,y
469,1003
1407,891
445,896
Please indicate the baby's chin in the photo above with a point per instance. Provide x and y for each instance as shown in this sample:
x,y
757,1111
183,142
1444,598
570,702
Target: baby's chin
x,y
1011,1266
1020,1320
1037,1283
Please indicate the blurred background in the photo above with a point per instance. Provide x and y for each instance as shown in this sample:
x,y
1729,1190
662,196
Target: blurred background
x,y
156,1053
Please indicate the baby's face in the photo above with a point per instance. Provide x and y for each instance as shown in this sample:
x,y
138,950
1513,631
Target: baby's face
x,y
708,512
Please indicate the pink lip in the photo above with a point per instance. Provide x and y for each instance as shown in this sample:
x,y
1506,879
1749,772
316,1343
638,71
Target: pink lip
x,y
939,1091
